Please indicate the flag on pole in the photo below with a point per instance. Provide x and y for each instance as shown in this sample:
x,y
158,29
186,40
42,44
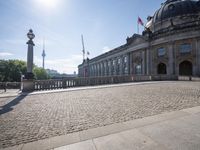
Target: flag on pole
x,y
140,21
88,53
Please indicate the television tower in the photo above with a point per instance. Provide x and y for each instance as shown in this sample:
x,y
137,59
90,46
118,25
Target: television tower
x,y
43,54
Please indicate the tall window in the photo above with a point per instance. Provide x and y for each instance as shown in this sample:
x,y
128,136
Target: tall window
x,y
125,59
109,67
105,68
138,69
113,67
185,48
161,51
125,65
119,61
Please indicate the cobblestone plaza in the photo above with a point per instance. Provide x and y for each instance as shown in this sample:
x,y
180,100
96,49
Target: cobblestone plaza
x,y
34,117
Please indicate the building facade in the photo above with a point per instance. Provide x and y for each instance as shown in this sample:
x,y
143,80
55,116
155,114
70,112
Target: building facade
x,y
169,45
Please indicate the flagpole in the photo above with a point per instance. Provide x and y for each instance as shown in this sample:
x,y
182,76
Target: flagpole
x,y
83,47
138,25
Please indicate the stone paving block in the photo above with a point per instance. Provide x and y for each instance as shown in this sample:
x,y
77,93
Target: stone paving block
x,y
41,116
102,131
64,140
127,140
192,110
52,142
154,119
37,145
174,134
17,147
85,145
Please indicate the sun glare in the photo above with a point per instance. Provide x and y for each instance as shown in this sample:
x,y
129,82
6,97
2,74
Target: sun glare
x,y
47,4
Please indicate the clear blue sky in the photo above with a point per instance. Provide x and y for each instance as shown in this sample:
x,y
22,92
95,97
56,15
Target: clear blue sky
x,y
105,25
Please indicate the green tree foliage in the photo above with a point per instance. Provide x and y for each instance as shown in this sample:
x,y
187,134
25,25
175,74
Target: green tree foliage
x,y
40,73
11,70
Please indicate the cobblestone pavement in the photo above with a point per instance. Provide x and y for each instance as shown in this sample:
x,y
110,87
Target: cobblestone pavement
x,y
29,118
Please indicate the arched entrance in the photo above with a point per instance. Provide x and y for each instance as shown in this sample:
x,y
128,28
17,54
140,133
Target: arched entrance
x,y
185,68
162,68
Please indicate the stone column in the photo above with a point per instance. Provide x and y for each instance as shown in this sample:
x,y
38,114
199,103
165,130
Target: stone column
x,y
115,66
143,63
147,61
30,58
170,70
28,82
127,65
121,65
130,63
29,74
198,57
149,51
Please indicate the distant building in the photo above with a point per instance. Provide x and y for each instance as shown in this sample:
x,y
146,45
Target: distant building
x,y
170,45
54,74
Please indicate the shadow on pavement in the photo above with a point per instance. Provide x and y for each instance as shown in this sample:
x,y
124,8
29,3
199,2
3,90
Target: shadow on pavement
x,y
8,107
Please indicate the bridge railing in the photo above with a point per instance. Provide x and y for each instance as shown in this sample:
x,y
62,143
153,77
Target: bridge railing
x,y
79,81
10,85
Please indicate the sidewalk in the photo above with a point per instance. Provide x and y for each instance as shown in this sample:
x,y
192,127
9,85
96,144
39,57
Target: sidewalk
x,y
168,131
9,93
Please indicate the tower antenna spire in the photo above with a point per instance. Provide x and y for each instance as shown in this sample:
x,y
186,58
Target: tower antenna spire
x,y
43,53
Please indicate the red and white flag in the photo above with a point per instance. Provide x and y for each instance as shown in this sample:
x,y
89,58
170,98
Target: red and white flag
x,y
140,21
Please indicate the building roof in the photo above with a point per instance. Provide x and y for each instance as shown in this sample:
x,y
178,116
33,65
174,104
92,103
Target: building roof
x,y
173,8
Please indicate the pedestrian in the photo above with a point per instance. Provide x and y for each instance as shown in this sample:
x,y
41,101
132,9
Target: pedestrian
x,y
5,86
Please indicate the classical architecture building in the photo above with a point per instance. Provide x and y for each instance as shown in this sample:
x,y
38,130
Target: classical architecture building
x,y
170,45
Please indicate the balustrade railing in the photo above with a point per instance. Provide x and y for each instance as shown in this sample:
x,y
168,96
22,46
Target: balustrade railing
x,y
79,81
10,85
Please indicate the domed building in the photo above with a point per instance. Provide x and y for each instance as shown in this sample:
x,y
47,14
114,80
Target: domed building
x,y
170,45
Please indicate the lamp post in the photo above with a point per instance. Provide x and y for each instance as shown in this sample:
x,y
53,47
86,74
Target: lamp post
x,y
29,74
28,81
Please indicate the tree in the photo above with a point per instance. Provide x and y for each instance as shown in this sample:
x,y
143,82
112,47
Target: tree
x,y
40,73
11,70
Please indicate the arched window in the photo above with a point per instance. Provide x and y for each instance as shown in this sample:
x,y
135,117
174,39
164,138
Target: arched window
x,y
185,68
185,48
161,68
138,69
161,51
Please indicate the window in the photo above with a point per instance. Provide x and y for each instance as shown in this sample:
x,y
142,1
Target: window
x,y
119,60
105,64
185,48
113,63
171,7
125,59
138,69
109,63
161,51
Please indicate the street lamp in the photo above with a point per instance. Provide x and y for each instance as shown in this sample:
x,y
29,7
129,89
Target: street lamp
x,y
28,80
31,36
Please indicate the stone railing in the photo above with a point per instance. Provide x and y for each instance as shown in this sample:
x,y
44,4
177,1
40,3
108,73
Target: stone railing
x,y
188,78
10,85
48,84
76,82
